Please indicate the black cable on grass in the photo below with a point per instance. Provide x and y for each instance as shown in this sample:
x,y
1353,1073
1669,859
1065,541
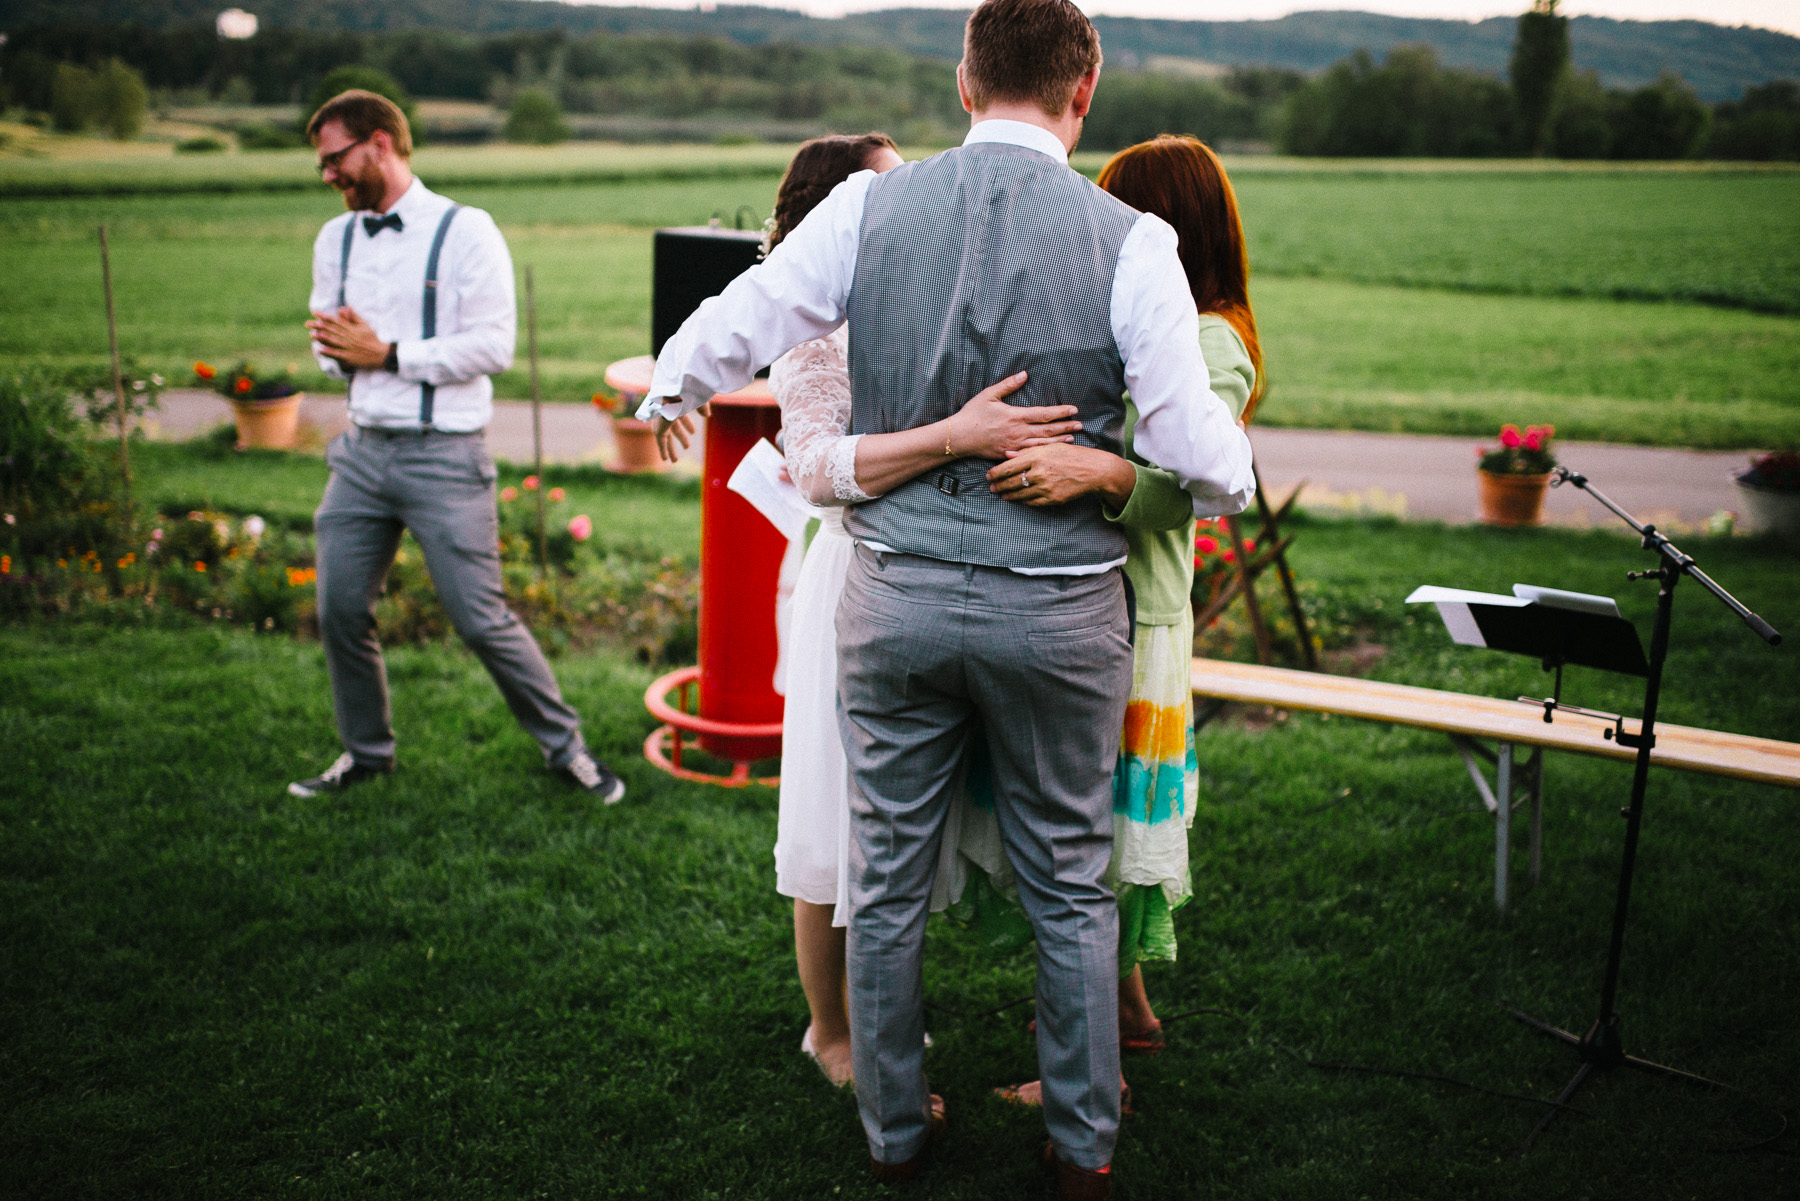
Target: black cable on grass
x,y
981,1013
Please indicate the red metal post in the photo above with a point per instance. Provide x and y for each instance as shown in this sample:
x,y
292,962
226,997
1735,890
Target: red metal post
x,y
740,560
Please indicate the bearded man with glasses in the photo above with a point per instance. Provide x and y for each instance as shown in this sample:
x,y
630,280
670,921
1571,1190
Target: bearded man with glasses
x,y
413,307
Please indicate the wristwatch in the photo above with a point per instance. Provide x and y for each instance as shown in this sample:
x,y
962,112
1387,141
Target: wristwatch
x,y
392,362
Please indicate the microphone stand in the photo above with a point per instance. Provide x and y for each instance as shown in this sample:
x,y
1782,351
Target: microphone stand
x,y
1602,1048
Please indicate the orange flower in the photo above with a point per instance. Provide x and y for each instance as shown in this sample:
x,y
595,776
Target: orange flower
x,y
5,564
242,386
531,483
509,493
200,566
204,370
557,494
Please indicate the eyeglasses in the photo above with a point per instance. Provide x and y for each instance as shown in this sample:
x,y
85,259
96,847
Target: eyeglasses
x,y
334,160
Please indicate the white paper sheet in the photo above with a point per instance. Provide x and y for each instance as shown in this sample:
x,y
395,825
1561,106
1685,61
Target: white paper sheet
x,y
758,480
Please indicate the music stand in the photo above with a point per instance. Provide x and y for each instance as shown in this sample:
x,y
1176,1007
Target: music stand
x,y
1509,626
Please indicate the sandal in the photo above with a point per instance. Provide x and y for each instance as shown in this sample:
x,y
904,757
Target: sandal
x,y
1148,1044
806,1049
1013,1095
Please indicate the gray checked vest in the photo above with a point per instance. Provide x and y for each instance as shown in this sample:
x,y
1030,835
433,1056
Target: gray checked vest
x,y
972,265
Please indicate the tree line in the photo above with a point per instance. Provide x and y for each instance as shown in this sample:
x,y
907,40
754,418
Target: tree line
x,y
83,76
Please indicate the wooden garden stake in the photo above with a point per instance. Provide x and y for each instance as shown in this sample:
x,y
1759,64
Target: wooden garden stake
x,y
1271,530
537,421
112,338
1247,581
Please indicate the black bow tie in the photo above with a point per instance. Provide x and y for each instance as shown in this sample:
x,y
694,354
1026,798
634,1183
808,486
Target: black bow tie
x,y
375,225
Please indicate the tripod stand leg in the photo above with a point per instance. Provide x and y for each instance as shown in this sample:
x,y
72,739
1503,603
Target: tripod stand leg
x,y
1503,774
1562,1099
1644,1065
1542,1027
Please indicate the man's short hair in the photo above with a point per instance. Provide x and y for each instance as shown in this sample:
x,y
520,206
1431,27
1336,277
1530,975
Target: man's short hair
x,y
361,114
1028,51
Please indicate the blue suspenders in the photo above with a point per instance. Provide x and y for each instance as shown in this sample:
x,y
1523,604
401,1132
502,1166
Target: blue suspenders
x,y
427,392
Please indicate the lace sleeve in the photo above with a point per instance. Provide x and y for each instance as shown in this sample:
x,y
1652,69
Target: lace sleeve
x,y
812,384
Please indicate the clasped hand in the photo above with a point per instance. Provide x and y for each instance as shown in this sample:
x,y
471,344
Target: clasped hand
x,y
343,335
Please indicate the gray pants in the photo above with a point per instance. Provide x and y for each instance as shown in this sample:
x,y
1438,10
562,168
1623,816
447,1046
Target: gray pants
x,y
924,648
441,487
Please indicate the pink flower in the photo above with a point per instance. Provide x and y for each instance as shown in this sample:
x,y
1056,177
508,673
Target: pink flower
x,y
531,483
1509,437
1534,439
557,494
580,528
509,493
1206,544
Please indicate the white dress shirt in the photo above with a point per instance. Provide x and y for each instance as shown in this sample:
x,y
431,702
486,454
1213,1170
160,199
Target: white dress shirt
x,y
802,289
477,320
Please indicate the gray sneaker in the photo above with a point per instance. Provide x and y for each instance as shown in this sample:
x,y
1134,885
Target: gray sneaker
x,y
340,775
594,778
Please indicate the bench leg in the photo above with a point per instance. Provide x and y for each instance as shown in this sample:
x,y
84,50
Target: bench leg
x,y
1502,823
1536,767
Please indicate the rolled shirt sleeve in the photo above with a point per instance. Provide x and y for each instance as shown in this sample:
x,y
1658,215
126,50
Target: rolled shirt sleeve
x,y
795,295
1182,426
488,314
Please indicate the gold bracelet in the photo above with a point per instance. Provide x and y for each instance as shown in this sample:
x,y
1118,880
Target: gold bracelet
x,y
947,451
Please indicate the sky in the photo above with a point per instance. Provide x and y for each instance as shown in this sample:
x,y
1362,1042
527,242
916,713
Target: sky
x,y
1769,14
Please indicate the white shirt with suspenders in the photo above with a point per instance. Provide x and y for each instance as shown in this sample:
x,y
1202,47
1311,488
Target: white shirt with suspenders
x,y
441,287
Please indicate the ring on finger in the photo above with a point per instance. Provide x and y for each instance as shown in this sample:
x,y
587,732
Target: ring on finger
x,y
1025,481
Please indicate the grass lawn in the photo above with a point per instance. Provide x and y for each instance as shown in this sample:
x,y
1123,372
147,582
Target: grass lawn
x,y
1442,301
467,982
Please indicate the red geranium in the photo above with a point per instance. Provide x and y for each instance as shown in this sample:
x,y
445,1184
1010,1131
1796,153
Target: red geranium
x,y
1206,544
243,385
1509,437
204,370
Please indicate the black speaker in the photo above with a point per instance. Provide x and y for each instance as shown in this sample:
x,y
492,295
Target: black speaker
x,y
687,266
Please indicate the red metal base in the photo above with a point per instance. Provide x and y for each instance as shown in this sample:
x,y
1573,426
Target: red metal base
x,y
663,747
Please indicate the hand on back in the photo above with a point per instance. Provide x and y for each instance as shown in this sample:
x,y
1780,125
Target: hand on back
x,y
990,428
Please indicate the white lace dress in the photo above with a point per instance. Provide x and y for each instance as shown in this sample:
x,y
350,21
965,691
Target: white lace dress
x,y
812,842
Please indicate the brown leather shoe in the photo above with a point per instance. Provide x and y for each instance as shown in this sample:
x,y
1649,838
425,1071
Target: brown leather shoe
x,y
907,1171
1078,1184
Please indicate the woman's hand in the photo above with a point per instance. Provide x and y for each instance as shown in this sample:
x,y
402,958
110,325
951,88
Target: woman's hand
x,y
989,428
1056,474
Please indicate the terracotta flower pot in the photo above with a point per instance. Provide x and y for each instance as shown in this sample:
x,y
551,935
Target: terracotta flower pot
x,y
268,424
636,445
1767,511
1512,500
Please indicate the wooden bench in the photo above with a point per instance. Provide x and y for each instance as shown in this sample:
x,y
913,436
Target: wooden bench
x,y
1511,724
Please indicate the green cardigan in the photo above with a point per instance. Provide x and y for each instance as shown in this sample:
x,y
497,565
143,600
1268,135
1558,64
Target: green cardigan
x,y
1158,519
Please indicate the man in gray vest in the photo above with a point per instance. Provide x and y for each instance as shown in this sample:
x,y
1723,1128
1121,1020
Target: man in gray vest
x,y
954,273
412,305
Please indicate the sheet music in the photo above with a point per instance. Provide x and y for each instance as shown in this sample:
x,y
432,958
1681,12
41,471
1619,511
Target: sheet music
x,y
758,480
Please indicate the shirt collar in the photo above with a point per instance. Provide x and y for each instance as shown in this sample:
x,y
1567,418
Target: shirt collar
x,y
411,202
1018,133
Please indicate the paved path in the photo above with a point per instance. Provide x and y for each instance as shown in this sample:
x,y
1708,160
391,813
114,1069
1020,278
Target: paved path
x,y
1403,474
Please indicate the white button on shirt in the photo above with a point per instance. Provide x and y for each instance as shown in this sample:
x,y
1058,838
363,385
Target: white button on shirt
x,y
477,320
801,291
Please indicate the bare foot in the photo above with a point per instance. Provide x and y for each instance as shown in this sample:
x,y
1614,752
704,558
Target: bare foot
x,y
833,1058
1029,1093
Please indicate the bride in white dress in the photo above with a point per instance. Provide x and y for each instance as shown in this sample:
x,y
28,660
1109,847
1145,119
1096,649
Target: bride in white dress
x,y
833,468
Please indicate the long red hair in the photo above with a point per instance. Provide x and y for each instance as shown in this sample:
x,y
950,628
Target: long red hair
x,y
1182,181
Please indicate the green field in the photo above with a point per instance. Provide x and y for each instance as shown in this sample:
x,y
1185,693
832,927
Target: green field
x,y
1442,300
468,982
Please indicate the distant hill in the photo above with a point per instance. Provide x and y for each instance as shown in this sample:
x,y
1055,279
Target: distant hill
x,y
1719,61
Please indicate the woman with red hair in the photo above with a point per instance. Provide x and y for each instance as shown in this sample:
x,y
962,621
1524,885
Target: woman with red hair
x,y
1156,786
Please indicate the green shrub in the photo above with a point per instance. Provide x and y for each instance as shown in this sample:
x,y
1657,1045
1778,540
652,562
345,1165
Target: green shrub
x,y
204,144
74,98
268,137
123,100
535,119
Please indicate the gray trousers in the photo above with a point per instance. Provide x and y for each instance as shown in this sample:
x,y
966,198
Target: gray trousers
x,y
925,648
441,487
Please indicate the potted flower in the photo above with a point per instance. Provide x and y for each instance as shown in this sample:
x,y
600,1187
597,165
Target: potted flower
x,y
1770,492
632,439
267,407
1514,476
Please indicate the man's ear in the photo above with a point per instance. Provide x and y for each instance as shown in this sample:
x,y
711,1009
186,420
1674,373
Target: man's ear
x,y
1084,94
382,143
962,91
